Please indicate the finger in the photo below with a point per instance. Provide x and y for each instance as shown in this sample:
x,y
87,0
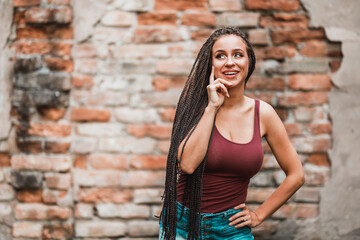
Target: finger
x,y
211,79
240,206
237,216
223,81
240,220
222,89
243,223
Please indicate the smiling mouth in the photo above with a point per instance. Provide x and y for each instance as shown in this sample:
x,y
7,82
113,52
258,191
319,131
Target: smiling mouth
x,y
230,73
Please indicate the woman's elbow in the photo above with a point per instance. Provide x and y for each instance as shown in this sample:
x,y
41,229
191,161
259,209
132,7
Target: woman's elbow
x,y
301,178
186,168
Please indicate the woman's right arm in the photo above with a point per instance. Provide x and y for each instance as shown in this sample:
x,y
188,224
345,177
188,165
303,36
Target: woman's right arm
x,y
197,144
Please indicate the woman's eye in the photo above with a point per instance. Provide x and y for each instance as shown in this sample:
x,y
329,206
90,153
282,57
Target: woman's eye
x,y
238,55
220,56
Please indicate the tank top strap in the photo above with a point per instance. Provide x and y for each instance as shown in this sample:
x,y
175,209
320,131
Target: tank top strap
x,y
257,119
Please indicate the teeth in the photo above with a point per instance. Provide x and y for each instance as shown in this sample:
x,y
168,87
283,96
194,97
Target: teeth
x,y
230,73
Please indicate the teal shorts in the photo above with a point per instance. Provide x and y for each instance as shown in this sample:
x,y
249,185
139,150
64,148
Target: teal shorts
x,y
213,226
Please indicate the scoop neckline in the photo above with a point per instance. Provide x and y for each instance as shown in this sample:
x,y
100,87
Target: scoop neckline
x,y
253,132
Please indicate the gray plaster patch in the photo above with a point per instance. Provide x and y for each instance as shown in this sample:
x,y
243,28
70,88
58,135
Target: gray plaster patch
x,y
6,13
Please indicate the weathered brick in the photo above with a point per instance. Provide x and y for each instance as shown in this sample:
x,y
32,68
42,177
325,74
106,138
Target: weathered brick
x,y
27,229
61,198
296,35
310,82
163,146
148,195
112,35
262,179
47,15
155,131
52,114
42,81
297,211
304,114
319,159
174,66
36,211
334,65
26,179
258,37
28,146
148,162
263,83
248,19
136,5
102,161
57,147
313,48
144,179
201,34
259,195
29,196
90,115
49,130
127,145
58,231
127,211
95,195
58,180
308,194
319,128
181,5
6,213
83,210
59,2
26,3
204,19
158,35
29,64
157,99
309,145
278,20
100,229
99,129
293,129
83,145
270,162
56,49
278,53
225,5
281,5
34,32
267,227
157,18
96,98
41,163
6,192
132,115
85,50
142,228
167,114
80,162
117,19
59,64
82,81
315,175
91,178
306,65
140,51
303,99
86,66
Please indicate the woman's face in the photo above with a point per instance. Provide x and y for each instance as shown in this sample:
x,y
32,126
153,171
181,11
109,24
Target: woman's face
x,y
230,59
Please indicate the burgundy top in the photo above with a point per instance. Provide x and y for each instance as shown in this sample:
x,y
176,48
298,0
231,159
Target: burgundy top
x,y
228,169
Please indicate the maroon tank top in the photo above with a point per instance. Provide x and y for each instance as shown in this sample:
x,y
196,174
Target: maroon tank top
x,y
228,169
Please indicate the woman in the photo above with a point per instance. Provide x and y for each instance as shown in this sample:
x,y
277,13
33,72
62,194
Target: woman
x,y
216,147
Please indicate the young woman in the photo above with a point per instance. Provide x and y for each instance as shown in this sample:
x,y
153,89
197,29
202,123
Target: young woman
x,y
216,147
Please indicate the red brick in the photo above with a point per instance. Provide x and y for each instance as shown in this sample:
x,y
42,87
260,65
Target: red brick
x,y
227,5
58,180
167,114
86,66
53,196
308,194
268,5
242,19
94,195
293,129
80,162
263,83
56,49
19,17
283,114
82,81
51,114
335,65
300,210
98,161
181,5
57,231
205,19
201,34
313,48
59,2
319,159
41,163
277,53
264,96
158,35
319,128
117,19
174,67
28,146
157,18
4,160
43,15
334,50
36,211
29,196
310,145
26,3
164,83
27,229
258,37
57,147
296,35
85,50
278,20
310,82
49,130
258,195
90,115
315,175
302,98
59,64
139,178
304,114
44,32
268,227
83,210
155,131
164,146
148,162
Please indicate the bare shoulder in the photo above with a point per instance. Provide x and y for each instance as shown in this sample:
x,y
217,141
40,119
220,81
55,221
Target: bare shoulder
x,y
268,117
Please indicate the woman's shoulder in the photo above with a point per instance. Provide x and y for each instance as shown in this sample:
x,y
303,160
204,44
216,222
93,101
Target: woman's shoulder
x,y
266,110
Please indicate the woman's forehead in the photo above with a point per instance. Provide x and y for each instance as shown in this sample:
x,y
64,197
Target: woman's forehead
x,y
229,42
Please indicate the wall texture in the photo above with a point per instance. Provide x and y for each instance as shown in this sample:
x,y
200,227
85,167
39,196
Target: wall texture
x,y
89,94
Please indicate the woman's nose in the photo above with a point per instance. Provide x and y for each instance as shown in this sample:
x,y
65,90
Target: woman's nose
x,y
229,61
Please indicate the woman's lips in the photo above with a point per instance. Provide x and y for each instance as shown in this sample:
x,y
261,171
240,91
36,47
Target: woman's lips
x,y
230,74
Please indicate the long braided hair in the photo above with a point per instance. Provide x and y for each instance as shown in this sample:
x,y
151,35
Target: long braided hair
x,y
191,106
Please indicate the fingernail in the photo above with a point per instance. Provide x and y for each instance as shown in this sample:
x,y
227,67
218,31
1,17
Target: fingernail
x,y
230,219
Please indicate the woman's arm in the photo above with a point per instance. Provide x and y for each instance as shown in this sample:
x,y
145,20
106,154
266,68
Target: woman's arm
x,y
289,161
196,147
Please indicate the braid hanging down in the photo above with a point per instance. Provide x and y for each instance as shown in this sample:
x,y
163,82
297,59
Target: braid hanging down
x,y
191,106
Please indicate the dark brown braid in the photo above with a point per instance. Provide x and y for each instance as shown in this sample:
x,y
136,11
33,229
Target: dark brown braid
x,y
191,106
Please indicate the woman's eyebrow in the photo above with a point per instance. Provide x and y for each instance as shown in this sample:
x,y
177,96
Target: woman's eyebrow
x,y
234,50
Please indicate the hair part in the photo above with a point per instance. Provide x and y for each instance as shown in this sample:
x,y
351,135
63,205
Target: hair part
x,y
191,106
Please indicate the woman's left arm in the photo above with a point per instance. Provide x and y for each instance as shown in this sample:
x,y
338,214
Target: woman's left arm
x,y
288,159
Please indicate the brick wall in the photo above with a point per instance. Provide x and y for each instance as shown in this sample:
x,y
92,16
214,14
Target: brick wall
x,y
92,117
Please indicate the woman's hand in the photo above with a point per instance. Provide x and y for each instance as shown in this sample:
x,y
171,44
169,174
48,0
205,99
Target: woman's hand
x,y
217,90
244,218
